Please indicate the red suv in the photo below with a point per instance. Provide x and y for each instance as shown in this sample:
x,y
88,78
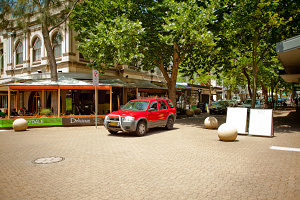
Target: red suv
x,y
141,114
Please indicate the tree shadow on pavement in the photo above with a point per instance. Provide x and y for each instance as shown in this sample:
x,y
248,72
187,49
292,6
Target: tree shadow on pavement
x,y
287,124
198,120
281,123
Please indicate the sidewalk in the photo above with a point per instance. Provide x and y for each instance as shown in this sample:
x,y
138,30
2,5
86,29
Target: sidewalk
x,y
188,162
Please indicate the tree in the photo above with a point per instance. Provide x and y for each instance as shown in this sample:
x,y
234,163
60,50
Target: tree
x,y
21,14
255,26
150,32
245,33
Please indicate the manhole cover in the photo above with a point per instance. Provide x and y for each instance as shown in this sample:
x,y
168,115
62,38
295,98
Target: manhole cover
x,y
48,160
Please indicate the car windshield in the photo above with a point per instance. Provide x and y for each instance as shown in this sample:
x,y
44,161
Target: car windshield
x,y
136,105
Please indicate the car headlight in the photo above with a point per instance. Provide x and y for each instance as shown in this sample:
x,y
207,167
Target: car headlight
x,y
128,119
106,117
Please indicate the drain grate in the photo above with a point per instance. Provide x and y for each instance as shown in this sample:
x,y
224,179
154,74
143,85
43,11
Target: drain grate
x,y
48,160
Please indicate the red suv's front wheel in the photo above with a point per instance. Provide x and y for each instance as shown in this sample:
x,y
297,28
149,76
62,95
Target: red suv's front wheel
x,y
141,129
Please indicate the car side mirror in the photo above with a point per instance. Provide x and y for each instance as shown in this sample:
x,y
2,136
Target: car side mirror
x,y
151,109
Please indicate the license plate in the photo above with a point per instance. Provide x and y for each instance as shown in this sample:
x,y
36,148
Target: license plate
x,y
113,123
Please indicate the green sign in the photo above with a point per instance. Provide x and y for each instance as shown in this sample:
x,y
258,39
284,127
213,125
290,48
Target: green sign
x,y
6,122
44,121
33,122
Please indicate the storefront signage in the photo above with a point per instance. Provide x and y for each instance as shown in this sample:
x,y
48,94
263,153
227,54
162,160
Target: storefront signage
x,y
81,121
261,122
5,123
72,121
44,121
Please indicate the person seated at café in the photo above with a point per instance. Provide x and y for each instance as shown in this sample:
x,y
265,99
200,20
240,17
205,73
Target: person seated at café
x,y
26,112
21,112
14,113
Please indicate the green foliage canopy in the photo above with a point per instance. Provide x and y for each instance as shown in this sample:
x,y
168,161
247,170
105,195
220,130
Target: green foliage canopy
x,y
149,32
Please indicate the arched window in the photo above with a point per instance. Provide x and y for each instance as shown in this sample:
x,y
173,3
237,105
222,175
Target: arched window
x,y
1,61
36,50
19,53
56,39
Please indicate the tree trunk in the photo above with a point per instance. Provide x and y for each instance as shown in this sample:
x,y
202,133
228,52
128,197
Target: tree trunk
x,y
171,81
255,72
272,96
209,95
50,52
248,82
265,92
172,93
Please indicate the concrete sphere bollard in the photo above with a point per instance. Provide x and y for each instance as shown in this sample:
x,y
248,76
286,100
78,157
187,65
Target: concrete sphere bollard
x,y
227,132
190,113
197,111
211,123
20,125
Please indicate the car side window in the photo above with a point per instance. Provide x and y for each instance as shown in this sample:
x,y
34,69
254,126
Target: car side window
x,y
170,104
154,105
162,105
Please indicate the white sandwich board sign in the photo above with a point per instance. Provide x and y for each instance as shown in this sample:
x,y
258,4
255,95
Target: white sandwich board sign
x,y
261,122
238,118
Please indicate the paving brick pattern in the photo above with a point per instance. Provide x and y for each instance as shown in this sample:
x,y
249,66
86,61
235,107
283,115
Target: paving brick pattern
x,y
188,162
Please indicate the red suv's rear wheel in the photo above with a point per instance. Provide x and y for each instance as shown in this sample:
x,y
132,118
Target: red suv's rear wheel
x,y
170,123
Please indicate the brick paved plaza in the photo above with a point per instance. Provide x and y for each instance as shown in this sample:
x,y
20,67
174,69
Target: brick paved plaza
x,y
188,162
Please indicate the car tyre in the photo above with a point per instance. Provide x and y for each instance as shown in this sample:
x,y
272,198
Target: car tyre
x,y
112,132
141,129
170,123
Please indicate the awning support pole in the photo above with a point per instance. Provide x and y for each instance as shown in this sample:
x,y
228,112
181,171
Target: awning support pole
x,y
8,109
43,99
110,98
58,101
96,106
18,101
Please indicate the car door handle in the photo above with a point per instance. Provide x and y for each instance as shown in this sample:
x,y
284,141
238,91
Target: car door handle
x,y
158,113
167,111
